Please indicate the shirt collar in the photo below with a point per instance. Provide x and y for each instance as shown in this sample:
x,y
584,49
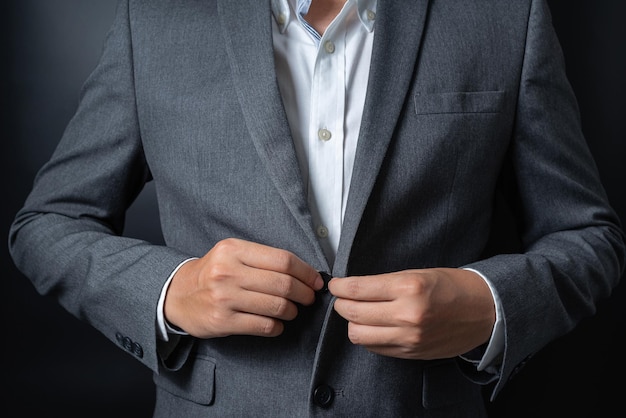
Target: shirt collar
x,y
283,15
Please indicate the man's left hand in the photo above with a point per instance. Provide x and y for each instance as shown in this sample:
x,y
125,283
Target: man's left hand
x,y
416,314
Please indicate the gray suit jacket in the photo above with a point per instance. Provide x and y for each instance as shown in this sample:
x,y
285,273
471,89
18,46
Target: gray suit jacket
x,y
468,101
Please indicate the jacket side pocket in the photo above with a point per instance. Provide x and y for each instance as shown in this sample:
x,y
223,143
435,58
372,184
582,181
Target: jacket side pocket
x,y
195,381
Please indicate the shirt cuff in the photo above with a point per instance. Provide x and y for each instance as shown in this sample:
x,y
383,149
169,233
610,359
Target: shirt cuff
x,y
163,327
492,357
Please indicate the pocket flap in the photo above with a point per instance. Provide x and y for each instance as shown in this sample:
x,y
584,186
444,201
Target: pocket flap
x,y
195,381
459,102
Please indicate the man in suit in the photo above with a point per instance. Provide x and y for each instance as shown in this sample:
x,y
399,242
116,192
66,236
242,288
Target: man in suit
x,y
328,176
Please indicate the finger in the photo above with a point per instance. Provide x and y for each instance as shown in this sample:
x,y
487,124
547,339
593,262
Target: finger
x,y
226,300
379,314
278,284
366,288
250,313
402,342
401,352
393,341
242,323
266,305
381,336
430,353
273,259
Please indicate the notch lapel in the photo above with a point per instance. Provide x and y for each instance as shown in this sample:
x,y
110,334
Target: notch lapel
x,y
247,30
397,40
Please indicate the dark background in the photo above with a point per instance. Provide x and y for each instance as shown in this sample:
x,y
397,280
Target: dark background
x,y
54,365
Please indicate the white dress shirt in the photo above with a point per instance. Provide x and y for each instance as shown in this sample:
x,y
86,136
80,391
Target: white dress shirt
x,y
323,80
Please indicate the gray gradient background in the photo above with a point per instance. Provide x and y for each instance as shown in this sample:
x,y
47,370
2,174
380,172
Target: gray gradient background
x,y
53,365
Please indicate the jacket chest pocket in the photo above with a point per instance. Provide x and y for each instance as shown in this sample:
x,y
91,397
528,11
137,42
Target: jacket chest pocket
x,y
459,102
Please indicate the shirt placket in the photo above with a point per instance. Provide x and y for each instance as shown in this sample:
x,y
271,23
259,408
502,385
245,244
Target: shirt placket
x,y
326,136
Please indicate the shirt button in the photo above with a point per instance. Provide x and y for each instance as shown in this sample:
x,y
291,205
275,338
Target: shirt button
x,y
323,396
324,134
371,15
281,18
322,231
329,46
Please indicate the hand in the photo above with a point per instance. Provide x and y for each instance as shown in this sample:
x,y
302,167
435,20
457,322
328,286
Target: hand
x,y
240,287
416,314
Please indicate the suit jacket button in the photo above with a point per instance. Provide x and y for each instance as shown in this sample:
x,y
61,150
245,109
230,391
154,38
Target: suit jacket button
x,y
326,277
323,396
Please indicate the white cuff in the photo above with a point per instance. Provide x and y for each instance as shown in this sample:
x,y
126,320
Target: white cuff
x,y
490,361
163,328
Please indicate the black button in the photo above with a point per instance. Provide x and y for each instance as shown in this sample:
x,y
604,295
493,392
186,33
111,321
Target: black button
x,y
129,345
326,277
323,396
137,350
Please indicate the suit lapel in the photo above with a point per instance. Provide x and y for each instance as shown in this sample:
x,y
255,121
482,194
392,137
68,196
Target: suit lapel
x,y
248,35
247,32
397,40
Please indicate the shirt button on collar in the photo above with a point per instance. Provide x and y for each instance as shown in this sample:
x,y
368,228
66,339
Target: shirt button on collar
x,y
371,15
322,231
329,46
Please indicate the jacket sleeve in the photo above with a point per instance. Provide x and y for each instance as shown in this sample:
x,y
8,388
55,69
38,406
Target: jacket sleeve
x,y
67,239
572,246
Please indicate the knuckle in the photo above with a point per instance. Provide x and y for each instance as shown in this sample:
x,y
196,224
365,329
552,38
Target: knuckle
x,y
225,245
414,286
352,312
215,321
353,287
413,317
271,327
280,307
218,296
413,339
216,271
285,286
284,260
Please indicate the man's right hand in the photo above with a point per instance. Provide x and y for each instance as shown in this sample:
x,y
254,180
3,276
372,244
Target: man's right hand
x,y
240,288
